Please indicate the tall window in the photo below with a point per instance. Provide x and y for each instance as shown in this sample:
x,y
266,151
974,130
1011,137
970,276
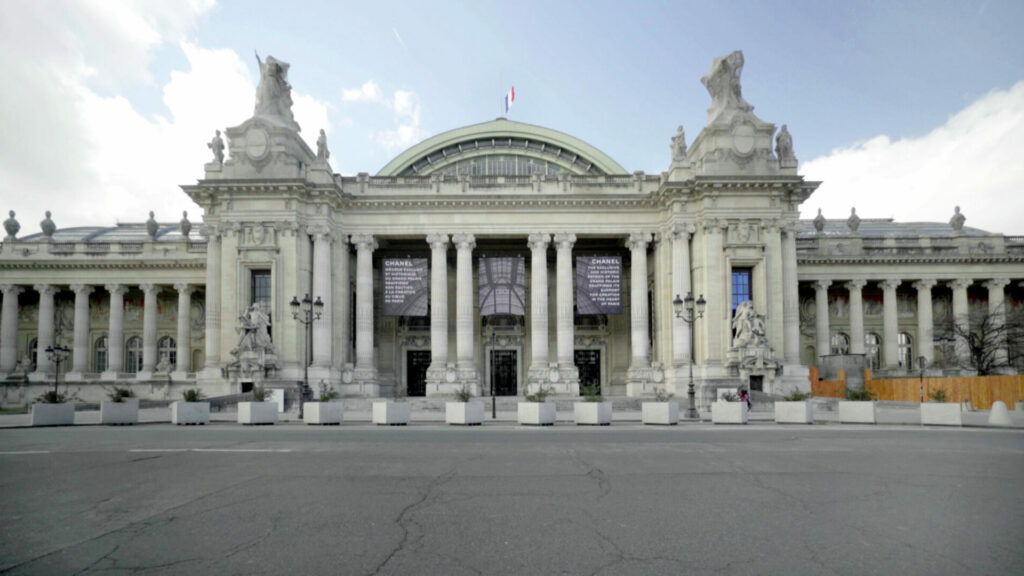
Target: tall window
x,y
740,286
133,355
99,355
872,350
905,351
166,348
261,287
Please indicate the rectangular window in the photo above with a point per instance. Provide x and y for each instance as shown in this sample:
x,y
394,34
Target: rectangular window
x,y
261,287
740,286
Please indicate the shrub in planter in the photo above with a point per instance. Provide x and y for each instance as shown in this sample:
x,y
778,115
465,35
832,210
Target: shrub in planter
x,y
191,410
325,412
729,412
462,411
662,411
263,409
121,409
391,413
593,411
536,410
51,409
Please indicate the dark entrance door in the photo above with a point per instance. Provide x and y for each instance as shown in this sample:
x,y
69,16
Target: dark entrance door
x,y
503,372
757,383
588,362
416,364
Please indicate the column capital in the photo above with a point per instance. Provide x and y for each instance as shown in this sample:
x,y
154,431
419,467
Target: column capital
x,y
364,242
82,290
772,226
539,241
565,241
11,290
184,287
682,230
855,285
464,241
791,229
890,283
210,231
438,241
714,225
960,283
116,289
822,284
150,288
997,284
638,240
925,284
45,289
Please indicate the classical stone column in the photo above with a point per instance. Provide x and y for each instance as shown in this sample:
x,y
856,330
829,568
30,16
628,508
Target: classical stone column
x,y
342,303
856,287
960,317
465,366
9,328
790,297
212,361
436,382
183,353
568,375
539,358
80,357
149,360
680,287
45,334
890,324
715,325
774,277
997,317
115,337
925,324
639,372
322,239
821,329
366,365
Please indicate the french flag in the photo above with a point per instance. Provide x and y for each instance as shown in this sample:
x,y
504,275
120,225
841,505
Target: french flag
x,y
509,99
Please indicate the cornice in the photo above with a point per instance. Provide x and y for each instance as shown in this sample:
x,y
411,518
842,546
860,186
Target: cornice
x,y
96,265
901,259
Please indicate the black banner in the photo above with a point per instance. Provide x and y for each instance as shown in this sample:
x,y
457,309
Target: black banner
x,y
406,287
598,285
502,286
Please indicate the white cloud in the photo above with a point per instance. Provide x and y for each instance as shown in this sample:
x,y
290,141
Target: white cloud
x,y
973,160
368,92
406,108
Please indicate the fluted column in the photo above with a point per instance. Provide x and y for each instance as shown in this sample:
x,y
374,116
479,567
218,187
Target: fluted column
x,y
438,312
821,329
464,244
790,297
997,318
115,337
564,306
680,287
342,302
9,328
149,360
856,289
213,249
45,330
539,357
774,277
925,324
639,364
322,239
183,353
890,323
961,318
365,362
80,357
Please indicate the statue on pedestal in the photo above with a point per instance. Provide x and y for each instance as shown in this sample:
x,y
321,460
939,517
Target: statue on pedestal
x,y
217,145
48,227
957,221
322,153
749,326
723,83
254,328
679,146
784,145
274,94
12,227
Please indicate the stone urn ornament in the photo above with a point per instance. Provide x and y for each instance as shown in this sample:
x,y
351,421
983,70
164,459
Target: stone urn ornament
x,y
151,226
48,227
12,227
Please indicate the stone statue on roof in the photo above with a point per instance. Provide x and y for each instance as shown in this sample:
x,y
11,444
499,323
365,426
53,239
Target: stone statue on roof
x,y
957,221
322,153
723,83
274,93
679,145
217,146
784,145
48,227
853,222
12,227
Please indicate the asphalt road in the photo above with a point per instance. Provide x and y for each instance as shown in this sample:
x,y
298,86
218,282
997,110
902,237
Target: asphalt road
x,y
506,500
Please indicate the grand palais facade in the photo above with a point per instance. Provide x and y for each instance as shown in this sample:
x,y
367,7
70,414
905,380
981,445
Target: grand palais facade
x,y
498,257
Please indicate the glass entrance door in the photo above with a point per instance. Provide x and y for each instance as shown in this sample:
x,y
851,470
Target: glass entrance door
x,y
588,362
416,364
503,372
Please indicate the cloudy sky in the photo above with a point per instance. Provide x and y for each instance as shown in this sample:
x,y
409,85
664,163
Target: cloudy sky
x,y
902,109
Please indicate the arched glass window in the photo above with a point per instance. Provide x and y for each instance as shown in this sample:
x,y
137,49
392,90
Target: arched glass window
x,y
906,351
99,354
133,355
166,348
872,351
840,343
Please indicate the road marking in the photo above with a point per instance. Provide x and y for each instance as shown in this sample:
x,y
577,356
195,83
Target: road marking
x,y
17,452
159,450
210,450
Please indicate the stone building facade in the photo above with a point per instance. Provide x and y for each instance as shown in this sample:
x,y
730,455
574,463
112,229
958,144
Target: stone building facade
x,y
157,305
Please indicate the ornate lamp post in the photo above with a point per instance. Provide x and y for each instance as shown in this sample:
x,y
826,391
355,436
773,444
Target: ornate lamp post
x,y
305,313
686,311
57,354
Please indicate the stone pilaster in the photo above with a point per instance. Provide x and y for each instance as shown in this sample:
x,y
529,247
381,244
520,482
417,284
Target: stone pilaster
x,y
364,380
540,370
45,332
856,289
790,298
890,324
9,328
322,276
211,367
774,278
80,357
638,377
960,316
925,324
821,327
437,374
465,366
997,318
715,324
568,379
183,352
115,336
149,360
342,303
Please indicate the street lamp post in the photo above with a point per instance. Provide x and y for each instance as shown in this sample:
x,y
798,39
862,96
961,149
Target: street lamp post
x,y
922,363
57,354
305,313
686,311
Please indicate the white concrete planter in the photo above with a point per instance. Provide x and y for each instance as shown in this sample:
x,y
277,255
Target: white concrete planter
x,y
323,413
664,413
729,413
857,412
794,413
941,414
537,413
592,413
257,412
391,413
464,413
62,414
190,413
120,413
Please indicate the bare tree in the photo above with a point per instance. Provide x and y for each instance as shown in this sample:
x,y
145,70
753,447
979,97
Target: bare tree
x,y
984,341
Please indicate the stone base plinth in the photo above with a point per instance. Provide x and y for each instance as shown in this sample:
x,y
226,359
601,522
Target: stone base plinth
x,y
941,414
664,413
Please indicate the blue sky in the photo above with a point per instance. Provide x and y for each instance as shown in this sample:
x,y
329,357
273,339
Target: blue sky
x,y
903,109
